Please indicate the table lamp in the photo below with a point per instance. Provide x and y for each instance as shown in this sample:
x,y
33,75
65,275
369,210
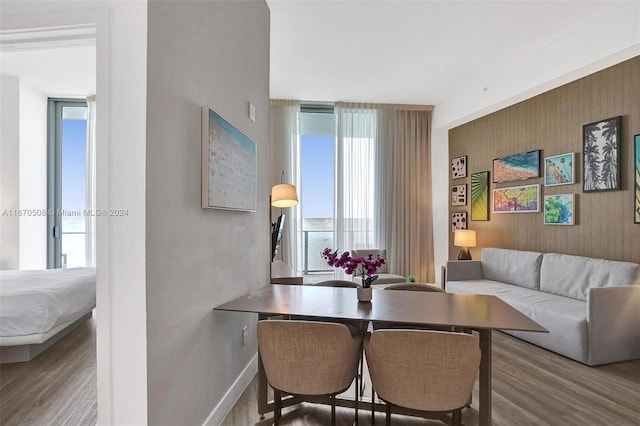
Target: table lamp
x,y
464,238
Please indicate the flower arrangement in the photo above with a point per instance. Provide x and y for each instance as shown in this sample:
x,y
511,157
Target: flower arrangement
x,y
356,265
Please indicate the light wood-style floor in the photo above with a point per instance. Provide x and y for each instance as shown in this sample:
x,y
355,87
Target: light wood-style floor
x,y
58,387
531,386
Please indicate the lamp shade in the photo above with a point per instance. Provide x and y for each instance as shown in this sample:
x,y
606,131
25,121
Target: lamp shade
x,y
284,195
464,238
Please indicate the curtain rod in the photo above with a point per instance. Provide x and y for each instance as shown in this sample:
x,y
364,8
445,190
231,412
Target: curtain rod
x,y
398,107
395,107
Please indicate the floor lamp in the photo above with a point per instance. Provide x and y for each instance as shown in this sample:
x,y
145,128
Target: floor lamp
x,y
282,196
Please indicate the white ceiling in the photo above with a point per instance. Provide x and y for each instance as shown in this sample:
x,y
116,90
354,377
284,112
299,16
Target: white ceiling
x,y
390,51
54,72
421,51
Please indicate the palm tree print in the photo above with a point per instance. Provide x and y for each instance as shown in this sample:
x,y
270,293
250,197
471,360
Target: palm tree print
x,y
600,155
610,151
591,165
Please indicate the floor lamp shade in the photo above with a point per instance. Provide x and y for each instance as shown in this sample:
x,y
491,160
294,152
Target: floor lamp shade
x,y
284,195
464,238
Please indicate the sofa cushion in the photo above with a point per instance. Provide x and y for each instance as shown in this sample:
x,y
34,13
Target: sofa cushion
x,y
486,287
521,268
563,317
571,276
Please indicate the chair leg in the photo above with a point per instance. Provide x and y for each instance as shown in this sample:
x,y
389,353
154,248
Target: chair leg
x,y
456,417
277,413
361,372
373,405
333,410
388,414
357,398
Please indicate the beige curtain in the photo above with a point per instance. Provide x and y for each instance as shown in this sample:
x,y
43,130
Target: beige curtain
x,y
403,188
285,146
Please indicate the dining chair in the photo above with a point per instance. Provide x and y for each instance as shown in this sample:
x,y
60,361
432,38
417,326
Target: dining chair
x,y
378,325
335,283
423,370
356,326
414,287
309,358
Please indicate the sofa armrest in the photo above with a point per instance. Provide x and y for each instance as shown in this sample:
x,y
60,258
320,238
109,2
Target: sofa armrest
x,y
613,324
464,270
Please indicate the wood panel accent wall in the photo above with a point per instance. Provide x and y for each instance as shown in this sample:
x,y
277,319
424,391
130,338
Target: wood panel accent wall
x,y
552,122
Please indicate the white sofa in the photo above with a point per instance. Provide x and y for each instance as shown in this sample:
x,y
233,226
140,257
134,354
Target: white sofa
x,y
591,307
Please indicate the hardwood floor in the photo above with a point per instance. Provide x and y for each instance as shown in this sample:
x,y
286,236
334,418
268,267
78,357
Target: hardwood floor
x,y
58,387
531,386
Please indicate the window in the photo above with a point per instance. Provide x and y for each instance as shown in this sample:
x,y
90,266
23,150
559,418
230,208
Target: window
x,y
337,165
317,170
66,186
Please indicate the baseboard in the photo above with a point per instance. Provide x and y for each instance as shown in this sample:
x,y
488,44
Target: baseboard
x,y
232,395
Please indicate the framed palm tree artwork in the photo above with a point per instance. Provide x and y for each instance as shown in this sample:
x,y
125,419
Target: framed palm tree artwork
x,y
480,196
601,155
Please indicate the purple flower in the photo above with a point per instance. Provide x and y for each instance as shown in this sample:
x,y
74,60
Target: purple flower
x,y
366,267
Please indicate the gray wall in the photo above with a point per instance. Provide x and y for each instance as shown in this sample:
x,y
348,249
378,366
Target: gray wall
x,y
212,53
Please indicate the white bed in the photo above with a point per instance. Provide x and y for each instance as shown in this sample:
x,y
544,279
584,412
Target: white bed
x,y
39,307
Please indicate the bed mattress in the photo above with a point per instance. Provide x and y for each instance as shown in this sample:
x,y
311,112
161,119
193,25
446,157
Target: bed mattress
x,y
34,302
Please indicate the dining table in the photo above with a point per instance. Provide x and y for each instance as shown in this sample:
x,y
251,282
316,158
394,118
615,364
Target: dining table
x,y
480,313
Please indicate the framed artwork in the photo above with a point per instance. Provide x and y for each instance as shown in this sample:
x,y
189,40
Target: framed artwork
x,y
480,196
459,195
521,166
559,170
458,221
636,204
558,209
601,155
229,165
459,167
517,199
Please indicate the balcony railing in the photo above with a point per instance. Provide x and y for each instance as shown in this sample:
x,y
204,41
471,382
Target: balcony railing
x,y
313,244
315,241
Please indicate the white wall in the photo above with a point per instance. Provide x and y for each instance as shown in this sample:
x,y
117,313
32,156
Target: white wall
x,y
212,53
440,197
10,169
33,177
121,142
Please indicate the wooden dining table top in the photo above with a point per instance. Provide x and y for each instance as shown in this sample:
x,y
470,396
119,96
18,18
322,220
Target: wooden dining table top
x,y
462,310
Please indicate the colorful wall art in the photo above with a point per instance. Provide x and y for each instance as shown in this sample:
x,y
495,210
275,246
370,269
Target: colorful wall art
x,y
636,204
601,155
559,170
517,199
459,167
521,166
559,209
480,196
459,195
229,165
458,221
